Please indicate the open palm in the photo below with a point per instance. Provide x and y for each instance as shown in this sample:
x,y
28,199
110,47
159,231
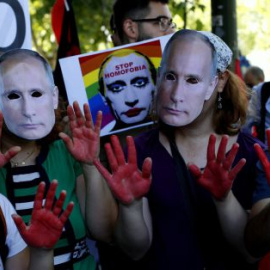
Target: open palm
x,y
84,144
46,222
218,175
126,181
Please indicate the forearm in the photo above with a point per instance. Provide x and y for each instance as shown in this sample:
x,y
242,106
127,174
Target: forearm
x,y
41,259
101,208
257,233
133,231
233,219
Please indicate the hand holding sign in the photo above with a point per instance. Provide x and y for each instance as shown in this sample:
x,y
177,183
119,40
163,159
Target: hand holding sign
x,y
16,22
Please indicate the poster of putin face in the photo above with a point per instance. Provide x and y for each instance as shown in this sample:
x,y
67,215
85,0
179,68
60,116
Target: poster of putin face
x,y
120,82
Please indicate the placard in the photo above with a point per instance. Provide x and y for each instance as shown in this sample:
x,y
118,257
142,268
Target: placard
x,y
15,28
120,82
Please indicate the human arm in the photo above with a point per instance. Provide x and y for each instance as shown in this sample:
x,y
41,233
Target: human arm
x,y
19,261
99,205
217,178
17,256
39,259
10,153
45,226
133,230
257,234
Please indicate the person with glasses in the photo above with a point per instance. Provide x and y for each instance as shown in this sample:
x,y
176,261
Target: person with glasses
x,y
164,22
134,21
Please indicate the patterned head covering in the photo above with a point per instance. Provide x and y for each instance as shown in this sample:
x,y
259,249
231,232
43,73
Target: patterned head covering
x,y
224,53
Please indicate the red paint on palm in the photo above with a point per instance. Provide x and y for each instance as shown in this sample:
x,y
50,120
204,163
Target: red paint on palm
x,y
126,181
84,144
218,175
264,263
46,224
262,156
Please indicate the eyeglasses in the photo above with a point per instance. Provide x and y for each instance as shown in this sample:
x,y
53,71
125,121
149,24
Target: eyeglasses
x,y
164,22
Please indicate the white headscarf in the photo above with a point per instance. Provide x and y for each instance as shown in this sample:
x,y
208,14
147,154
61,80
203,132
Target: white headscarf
x,y
224,53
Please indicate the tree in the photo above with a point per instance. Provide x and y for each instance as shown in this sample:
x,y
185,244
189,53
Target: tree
x,y
91,23
253,25
92,18
188,14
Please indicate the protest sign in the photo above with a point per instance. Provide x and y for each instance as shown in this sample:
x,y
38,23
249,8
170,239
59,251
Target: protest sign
x,y
119,81
15,29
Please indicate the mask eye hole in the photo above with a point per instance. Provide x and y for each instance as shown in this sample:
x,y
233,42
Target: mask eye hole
x,y
36,94
170,77
13,96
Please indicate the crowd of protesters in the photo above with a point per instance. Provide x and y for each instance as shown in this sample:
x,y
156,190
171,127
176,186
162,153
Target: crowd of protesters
x,y
190,192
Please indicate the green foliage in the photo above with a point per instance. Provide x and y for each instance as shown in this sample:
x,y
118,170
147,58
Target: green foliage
x,y
187,13
92,18
253,25
93,23
42,36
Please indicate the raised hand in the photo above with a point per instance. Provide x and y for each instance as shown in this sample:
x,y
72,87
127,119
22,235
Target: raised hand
x,y
262,156
264,263
46,224
13,151
126,181
84,144
218,175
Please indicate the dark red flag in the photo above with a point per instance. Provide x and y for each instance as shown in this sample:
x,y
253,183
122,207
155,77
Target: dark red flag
x,y
238,68
64,27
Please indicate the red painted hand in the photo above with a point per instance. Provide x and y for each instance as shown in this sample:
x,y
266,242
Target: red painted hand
x,y
13,151
218,175
46,223
126,181
262,156
264,263
84,145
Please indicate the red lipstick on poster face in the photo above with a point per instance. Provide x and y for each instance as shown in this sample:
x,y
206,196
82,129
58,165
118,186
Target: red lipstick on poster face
x,y
133,112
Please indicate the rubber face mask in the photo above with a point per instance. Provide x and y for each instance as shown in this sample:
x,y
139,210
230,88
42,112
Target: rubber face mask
x,y
28,100
129,87
186,82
